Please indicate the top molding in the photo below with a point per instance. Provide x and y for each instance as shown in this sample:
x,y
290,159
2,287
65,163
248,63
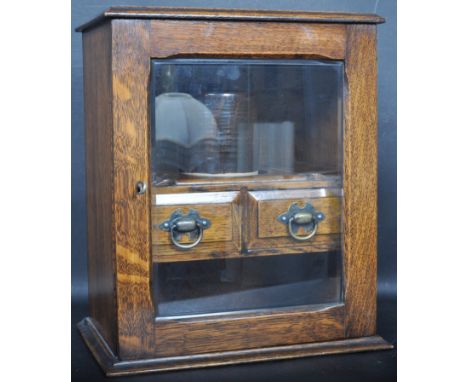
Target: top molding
x,y
182,13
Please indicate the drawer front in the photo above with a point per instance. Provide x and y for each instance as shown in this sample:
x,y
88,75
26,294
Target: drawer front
x,y
221,239
267,232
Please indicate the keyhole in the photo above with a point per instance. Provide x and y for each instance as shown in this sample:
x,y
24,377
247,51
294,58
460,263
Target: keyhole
x,y
140,187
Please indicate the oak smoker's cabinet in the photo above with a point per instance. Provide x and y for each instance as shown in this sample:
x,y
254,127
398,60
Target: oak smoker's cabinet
x,y
231,162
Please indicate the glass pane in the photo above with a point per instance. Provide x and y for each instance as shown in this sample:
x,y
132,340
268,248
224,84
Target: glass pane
x,y
219,118
246,185
232,285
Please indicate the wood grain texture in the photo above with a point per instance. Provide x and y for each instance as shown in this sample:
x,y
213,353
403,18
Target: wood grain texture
x,y
360,182
221,240
269,210
212,251
206,251
173,38
276,246
197,336
184,13
264,232
99,180
130,76
220,216
113,367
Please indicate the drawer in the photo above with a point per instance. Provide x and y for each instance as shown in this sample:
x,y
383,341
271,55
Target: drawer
x,y
219,210
269,231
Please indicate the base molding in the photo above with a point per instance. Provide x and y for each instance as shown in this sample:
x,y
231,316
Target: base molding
x,y
112,366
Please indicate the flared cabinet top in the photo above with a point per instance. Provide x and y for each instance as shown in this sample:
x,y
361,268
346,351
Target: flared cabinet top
x,y
182,13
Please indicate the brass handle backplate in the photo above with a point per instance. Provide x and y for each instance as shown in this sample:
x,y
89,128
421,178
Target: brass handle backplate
x,y
180,224
307,217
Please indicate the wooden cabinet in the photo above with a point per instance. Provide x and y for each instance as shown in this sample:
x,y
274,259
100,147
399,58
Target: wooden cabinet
x,y
231,186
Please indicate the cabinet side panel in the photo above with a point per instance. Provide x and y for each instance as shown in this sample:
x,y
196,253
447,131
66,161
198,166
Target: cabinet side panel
x,y
99,179
360,181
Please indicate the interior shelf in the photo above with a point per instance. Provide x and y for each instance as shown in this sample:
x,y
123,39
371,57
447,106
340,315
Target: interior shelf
x,y
259,182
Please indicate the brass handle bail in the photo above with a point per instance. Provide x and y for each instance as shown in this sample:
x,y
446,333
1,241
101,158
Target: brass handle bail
x,y
307,217
180,224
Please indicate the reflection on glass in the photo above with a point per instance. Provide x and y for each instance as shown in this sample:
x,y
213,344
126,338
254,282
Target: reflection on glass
x,y
186,134
231,118
231,285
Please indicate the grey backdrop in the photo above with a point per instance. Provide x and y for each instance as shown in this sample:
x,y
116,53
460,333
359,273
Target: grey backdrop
x,y
83,10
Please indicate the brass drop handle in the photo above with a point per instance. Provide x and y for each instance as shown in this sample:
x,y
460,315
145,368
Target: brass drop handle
x,y
179,224
307,217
